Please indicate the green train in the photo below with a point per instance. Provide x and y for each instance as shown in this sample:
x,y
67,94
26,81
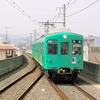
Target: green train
x,y
60,53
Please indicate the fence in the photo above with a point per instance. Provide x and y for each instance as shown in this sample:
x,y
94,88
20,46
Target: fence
x,y
10,64
91,71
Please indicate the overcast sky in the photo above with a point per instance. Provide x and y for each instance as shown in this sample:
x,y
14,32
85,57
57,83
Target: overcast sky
x,y
85,22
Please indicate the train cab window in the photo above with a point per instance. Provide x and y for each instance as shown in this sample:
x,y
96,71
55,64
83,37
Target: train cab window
x,y
76,47
64,47
52,48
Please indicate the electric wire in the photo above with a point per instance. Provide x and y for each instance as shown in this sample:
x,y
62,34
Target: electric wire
x,y
69,1
52,14
82,9
56,17
70,4
59,13
23,12
27,15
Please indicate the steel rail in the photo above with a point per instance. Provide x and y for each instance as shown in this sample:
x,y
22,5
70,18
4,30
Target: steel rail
x,y
84,92
29,88
60,93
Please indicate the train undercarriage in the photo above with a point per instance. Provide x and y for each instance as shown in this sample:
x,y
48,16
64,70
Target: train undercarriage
x,y
63,74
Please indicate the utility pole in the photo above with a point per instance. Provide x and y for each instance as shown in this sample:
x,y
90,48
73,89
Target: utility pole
x,y
35,34
64,15
6,33
27,42
46,25
89,46
30,39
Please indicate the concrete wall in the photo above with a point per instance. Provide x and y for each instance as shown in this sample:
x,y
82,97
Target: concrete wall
x,y
2,54
91,71
10,64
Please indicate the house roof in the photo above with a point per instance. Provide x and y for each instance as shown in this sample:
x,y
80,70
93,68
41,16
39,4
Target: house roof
x,y
6,48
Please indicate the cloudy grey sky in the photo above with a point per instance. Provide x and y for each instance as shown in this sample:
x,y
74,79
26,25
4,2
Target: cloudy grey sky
x,y
86,21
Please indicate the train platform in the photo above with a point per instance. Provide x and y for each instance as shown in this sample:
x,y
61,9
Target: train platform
x,y
94,84
11,77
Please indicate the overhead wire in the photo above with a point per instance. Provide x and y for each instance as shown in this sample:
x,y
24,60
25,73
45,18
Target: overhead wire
x,y
53,14
59,13
49,19
56,17
82,9
23,12
71,3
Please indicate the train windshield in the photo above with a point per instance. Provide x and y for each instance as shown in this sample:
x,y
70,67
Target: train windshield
x,y
64,47
76,47
52,47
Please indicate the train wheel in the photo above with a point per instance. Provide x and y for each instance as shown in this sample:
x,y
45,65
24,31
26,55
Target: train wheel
x,y
53,75
68,77
48,73
74,76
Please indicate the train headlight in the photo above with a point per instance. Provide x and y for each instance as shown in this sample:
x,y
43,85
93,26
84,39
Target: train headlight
x,y
79,41
73,41
64,36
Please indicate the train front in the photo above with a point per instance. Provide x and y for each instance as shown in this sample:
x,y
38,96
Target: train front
x,y
64,55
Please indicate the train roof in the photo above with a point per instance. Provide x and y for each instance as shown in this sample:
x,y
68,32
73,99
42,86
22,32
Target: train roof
x,y
59,30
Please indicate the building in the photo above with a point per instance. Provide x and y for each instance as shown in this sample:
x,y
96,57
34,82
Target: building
x,y
89,42
88,45
6,50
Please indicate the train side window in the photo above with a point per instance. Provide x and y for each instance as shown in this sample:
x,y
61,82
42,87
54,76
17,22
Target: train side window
x,y
52,48
64,47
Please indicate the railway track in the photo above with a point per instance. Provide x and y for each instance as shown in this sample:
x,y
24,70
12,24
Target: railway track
x,y
60,93
84,92
18,89
19,86
11,82
66,96
29,88
72,91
